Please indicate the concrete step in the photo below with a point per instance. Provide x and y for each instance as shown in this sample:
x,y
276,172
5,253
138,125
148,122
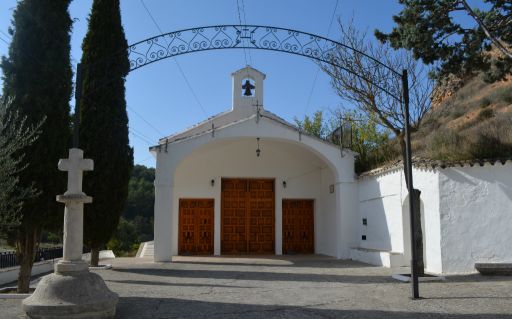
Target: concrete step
x,y
146,249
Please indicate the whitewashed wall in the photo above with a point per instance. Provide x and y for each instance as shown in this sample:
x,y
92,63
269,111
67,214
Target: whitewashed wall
x,y
305,174
466,215
380,202
476,216
383,200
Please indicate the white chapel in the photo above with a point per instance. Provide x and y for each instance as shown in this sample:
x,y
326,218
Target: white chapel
x,y
246,182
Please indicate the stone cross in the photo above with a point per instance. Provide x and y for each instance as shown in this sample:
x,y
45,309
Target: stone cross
x,y
72,291
74,199
75,165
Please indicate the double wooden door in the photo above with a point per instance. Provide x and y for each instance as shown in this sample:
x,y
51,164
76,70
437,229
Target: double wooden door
x,y
248,218
298,226
196,226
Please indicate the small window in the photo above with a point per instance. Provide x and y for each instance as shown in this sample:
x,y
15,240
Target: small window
x,y
365,221
363,237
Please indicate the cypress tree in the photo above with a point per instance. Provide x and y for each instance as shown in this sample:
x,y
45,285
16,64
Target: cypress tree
x,y
104,125
37,80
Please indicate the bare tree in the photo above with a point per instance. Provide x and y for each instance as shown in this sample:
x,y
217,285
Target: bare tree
x,y
374,88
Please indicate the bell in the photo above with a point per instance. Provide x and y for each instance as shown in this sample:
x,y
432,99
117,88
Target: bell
x,y
247,87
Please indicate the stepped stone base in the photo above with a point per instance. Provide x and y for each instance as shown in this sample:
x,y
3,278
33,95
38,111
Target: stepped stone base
x,y
73,295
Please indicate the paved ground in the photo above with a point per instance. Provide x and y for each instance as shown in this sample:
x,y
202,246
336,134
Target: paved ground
x,y
291,287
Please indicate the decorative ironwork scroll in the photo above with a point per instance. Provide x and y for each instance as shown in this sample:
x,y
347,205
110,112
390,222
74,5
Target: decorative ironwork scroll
x,y
237,37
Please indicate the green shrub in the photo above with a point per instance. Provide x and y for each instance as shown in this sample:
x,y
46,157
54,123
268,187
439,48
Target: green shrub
x,y
445,144
124,239
503,94
457,112
485,114
485,102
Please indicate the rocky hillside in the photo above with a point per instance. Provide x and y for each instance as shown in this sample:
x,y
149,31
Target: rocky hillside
x,y
472,122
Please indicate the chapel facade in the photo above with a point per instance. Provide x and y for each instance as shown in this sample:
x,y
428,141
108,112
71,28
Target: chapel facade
x,y
247,182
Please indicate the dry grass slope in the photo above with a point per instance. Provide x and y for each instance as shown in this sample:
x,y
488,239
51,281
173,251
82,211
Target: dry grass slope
x,y
475,122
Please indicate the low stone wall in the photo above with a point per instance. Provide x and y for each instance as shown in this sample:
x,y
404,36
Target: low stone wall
x,y
10,275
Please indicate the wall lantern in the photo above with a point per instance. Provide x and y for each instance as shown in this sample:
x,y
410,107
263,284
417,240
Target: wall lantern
x,y
284,184
212,182
258,151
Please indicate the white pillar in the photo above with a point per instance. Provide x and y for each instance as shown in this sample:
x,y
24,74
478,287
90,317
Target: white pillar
x,y
163,222
346,216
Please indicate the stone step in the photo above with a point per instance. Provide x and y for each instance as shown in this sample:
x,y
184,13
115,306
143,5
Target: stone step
x,y
146,249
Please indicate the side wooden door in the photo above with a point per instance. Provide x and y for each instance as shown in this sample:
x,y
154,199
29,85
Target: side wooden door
x,y
196,220
298,226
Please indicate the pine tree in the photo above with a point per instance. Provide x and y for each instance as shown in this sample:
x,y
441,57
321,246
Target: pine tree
x,y
37,79
104,124
432,31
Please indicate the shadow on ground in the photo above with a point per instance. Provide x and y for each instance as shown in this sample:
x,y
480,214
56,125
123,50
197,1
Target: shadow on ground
x,y
260,276
141,308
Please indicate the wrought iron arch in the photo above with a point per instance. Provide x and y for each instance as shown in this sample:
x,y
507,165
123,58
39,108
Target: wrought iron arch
x,y
257,37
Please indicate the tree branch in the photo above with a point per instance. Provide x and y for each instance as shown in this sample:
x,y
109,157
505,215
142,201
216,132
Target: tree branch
x,y
494,40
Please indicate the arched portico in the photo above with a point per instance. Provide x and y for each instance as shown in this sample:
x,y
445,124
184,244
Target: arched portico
x,y
332,189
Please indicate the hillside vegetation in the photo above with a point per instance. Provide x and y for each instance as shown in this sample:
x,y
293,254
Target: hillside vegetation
x,y
474,122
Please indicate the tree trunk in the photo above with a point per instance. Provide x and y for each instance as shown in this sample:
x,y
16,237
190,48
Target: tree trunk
x,y
26,249
418,243
415,193
95,256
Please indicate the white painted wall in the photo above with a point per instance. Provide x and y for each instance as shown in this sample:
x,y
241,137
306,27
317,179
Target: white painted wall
x,y
384,201
427,181
466,215
476,216
380,201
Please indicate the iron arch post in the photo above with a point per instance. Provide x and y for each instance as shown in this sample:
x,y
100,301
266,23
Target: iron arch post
x,y
258,37
410,187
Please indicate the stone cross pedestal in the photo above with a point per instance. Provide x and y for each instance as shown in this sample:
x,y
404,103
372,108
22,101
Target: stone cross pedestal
x,y
72,291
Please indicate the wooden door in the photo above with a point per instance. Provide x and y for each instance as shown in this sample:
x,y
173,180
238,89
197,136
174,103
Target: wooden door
x,y
196,226
298,226
247,216
261,216
233,212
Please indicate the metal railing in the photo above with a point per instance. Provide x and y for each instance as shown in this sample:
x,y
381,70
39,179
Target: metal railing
x,y
8,258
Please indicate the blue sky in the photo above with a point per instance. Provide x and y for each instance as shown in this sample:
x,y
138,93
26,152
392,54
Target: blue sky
x,y
159,95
